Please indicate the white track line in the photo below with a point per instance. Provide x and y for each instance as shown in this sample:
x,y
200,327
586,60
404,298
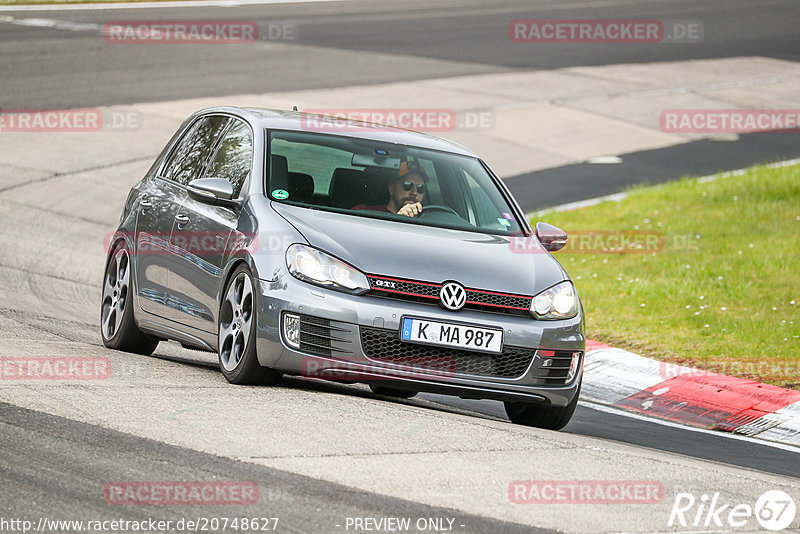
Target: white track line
x,y
152,5
570,206
664,422
616,197
54,24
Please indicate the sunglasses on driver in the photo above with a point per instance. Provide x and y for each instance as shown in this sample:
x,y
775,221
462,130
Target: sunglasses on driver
x,y
408,185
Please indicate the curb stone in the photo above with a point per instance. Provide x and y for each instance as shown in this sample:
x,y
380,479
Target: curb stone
x,y
694,397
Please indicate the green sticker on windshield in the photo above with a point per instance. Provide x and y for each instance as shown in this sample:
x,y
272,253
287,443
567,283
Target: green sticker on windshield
x,y
280,194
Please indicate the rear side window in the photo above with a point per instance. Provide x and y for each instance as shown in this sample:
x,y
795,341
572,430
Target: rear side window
x,y
189,158
318,161
234,158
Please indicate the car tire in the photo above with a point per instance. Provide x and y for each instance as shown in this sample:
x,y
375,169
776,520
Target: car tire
x,y
236,328
548,417
393,392
117,324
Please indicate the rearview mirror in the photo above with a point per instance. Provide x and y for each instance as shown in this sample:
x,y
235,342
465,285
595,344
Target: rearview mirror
x,y
375,160
212,191
551,237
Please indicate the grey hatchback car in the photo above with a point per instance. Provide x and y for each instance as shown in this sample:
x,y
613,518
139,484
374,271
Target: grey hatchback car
x,y
274,239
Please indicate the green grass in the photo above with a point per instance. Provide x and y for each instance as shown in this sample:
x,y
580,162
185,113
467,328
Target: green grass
x,y
724,292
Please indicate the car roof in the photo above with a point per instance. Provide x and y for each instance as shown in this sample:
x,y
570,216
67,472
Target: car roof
x,y
275,119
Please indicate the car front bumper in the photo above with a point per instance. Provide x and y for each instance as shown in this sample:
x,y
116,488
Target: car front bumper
x,y
355,338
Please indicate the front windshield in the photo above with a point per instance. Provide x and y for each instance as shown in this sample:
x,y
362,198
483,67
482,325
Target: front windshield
x,y
384,180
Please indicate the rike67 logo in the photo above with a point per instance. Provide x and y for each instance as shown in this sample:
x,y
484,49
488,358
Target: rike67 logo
x,y
774,510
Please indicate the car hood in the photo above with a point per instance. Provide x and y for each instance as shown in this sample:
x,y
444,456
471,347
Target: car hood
x,y
424,253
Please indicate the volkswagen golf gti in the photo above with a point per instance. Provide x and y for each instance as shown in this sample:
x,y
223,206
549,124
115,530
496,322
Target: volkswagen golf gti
x,y
290,243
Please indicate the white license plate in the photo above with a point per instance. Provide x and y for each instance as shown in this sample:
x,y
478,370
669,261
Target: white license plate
x,y
451,335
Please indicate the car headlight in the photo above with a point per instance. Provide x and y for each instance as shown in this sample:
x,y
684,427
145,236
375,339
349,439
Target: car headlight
x,y
558,302
316,267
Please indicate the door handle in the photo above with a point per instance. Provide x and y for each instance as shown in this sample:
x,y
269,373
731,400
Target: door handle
x,y
181,218
145,203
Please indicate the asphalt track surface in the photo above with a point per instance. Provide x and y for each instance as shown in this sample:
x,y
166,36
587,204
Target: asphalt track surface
x,y
352,43
356,43
582,181
54,465
81,459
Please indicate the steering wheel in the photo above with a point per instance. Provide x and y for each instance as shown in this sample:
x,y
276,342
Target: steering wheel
x,y
435,207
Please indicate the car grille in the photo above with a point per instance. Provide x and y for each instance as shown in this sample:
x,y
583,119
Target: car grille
x,y
316,335
383,345
428,292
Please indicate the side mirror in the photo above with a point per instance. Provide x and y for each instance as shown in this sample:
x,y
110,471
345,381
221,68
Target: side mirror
x,y
551,237
212,191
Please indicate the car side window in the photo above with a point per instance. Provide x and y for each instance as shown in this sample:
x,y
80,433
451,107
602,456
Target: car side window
x,y
482,208
434,194
195,148
234,157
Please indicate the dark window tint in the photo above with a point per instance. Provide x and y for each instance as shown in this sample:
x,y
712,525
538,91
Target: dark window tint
x,y
190,156
234,157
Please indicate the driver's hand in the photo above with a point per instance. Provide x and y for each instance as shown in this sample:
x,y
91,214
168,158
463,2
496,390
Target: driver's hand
x,y
411,210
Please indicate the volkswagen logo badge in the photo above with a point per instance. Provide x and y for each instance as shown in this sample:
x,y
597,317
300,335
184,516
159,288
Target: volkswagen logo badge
x,y
453,296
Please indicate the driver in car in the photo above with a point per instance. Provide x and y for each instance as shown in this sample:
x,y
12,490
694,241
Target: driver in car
x,y
406,191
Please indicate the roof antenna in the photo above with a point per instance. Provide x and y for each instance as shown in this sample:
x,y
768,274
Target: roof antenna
x,y
294,108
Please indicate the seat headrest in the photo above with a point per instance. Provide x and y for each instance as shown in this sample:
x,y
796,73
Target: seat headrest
x,y
348,188
377,181
279,172
301,186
